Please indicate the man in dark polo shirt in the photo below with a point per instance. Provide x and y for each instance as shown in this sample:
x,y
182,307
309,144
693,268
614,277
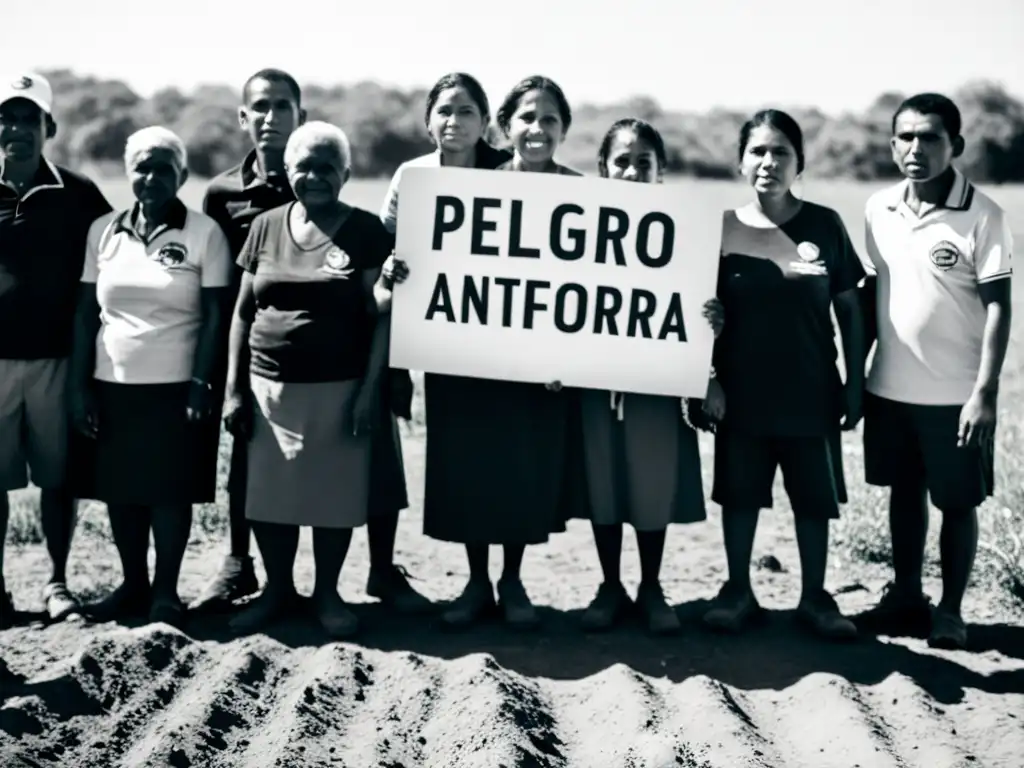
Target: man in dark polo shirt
x,y
45,213
271,110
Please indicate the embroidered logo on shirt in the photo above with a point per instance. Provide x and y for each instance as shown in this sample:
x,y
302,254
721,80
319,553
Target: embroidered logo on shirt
x,y
808,251
337,263
22,84
944,255
172,255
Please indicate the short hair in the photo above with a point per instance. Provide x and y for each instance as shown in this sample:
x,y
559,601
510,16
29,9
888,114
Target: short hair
x,y
783,123
155,137
273,76
318,132
533,83
458,80
643,130
932,104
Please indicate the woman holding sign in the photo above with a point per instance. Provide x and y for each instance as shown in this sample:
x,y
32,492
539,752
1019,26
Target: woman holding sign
x,y
785,262
496,468
643,461
305,361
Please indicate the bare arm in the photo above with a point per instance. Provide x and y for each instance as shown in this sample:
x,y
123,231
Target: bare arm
x,y
204,363
238,338
87,327
851,327
996,296
869,314
378,362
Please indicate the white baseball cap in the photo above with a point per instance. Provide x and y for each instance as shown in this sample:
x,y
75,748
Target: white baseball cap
x,y
29,85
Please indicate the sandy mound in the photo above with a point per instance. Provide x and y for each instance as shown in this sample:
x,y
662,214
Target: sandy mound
x,y
154,697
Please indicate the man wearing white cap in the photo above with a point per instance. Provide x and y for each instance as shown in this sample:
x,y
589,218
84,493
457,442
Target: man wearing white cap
x,y
45,214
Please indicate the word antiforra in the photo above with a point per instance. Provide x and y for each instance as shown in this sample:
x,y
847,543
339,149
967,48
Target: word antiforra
x,y
565,242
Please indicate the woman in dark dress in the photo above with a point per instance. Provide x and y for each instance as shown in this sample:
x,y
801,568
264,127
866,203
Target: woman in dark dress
x,y
504,459
642,456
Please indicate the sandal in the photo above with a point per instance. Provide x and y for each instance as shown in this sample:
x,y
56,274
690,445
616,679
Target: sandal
x,y
60,603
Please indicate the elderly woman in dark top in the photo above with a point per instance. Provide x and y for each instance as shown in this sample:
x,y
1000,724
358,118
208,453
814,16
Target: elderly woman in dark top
x,y
306,357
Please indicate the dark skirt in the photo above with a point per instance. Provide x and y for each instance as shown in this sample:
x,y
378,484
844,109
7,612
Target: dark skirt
x,y
388,492
643,469
504,461
146,451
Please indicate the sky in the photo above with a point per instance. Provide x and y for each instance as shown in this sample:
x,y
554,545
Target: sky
x,y
687,54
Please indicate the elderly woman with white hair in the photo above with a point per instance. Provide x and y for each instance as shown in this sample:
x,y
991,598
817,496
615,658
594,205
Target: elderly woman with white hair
x,y
306,356
150,309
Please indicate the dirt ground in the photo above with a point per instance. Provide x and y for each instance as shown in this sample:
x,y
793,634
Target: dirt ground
x,y
408,694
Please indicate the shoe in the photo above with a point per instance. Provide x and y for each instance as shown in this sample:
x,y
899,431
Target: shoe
x,y
660,616
393,589
607,607
733,609
475,602
60,603
334,616
819,612
516,606
897,613
948,630
235,580
168,610
8,613
125,602
265,610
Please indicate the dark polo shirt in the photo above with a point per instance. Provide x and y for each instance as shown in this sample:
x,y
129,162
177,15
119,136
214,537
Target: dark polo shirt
x,y
237,196
776,357
42,250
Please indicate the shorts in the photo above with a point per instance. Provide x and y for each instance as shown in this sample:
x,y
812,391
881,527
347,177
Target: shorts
x,y
34,423
812,470
910,443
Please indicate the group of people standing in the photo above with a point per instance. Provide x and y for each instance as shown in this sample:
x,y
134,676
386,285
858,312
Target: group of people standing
x,y
271,306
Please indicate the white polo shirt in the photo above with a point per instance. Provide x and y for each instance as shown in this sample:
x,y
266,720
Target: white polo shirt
x,y
931,319
389,210
149,293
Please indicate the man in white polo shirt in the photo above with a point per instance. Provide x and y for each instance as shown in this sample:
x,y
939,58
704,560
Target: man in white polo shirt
x,y
939,252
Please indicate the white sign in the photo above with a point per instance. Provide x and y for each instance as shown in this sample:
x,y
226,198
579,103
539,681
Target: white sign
x,y
537,277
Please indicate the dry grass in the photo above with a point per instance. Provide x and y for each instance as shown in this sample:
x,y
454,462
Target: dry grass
x,y
861,536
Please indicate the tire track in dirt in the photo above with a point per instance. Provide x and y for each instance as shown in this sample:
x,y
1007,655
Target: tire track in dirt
x,y
153,697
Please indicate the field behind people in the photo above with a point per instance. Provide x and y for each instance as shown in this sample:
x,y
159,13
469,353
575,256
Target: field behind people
x,y
408,695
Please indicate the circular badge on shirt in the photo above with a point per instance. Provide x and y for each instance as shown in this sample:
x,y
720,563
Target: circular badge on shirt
x,y
172,254
944,255
337,262
808,251
22,84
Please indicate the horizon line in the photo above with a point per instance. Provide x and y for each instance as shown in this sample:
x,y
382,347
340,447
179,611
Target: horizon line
x,y
190,91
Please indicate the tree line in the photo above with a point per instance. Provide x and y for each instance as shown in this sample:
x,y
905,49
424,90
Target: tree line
x,y
385,125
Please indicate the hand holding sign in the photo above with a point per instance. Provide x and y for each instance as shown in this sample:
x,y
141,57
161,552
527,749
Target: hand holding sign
x,y
394,271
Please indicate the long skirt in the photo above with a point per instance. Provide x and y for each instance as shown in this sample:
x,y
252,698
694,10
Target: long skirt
x,y
146,451
504,461
388,491
643,468
305,465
